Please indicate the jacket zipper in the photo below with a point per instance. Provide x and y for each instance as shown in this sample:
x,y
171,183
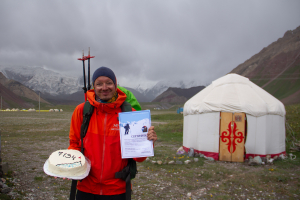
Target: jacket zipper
x,y
104,129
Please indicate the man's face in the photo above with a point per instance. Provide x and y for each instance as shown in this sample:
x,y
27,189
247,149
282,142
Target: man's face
x,y
104,87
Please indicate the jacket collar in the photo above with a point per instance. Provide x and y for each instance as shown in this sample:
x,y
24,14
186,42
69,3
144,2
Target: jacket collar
x,y
106,107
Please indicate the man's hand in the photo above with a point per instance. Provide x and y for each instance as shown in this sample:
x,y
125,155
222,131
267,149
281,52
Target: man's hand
x,y
152,134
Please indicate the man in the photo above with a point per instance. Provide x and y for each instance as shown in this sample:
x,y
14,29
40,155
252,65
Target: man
x,y
102,140
127,127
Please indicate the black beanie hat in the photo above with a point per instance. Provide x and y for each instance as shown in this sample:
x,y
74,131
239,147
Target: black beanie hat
x,y
104,71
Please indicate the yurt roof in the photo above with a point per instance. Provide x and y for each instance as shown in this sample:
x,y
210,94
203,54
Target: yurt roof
x,y
234,93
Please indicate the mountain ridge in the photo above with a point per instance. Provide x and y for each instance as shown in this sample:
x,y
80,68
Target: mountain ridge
x,y
178,95
12,91
276,68
42,79
57,86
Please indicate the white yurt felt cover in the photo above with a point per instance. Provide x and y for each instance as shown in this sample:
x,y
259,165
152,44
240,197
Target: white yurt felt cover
x,y
234,93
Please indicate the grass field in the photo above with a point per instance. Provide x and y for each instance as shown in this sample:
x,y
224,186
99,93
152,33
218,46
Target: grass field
x,y
29,138
285,85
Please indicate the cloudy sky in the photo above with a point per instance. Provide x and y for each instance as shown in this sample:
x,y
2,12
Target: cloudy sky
x,y
143,41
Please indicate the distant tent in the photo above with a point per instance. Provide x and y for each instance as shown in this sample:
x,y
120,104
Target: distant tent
x,y
264,124
180,110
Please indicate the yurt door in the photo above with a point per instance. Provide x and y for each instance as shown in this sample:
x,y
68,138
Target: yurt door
x,y
232,137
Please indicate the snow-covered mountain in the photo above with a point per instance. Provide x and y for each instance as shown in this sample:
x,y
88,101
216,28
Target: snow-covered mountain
x,y
42,79
53,83
162,86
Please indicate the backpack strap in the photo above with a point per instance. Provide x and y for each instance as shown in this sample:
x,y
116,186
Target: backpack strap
x,y
126,107
87,114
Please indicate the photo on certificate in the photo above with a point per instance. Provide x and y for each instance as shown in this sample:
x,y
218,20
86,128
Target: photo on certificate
x,y
134,127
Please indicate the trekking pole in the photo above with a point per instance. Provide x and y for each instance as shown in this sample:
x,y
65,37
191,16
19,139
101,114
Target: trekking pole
x,y
74,182
88,58
73,190
84,81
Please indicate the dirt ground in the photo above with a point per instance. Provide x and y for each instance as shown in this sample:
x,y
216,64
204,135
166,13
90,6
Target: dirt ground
x,y
28,140
30,182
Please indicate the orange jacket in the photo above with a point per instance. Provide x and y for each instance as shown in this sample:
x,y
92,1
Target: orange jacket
x,y
101,146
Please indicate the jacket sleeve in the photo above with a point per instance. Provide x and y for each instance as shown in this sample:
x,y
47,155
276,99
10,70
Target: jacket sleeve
x,y
76,121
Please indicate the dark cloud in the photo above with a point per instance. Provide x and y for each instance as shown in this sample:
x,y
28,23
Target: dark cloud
x,y
142,41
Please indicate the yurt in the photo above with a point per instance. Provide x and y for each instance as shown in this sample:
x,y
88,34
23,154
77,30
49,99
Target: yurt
x,y
232,119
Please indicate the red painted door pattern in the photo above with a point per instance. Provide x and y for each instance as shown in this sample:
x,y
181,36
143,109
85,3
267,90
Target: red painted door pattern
x,y
232,137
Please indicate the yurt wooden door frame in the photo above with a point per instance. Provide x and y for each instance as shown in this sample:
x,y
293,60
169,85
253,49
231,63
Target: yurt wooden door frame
x,y
232,137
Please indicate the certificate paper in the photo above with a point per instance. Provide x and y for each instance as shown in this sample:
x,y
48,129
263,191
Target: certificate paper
x,y
134,127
